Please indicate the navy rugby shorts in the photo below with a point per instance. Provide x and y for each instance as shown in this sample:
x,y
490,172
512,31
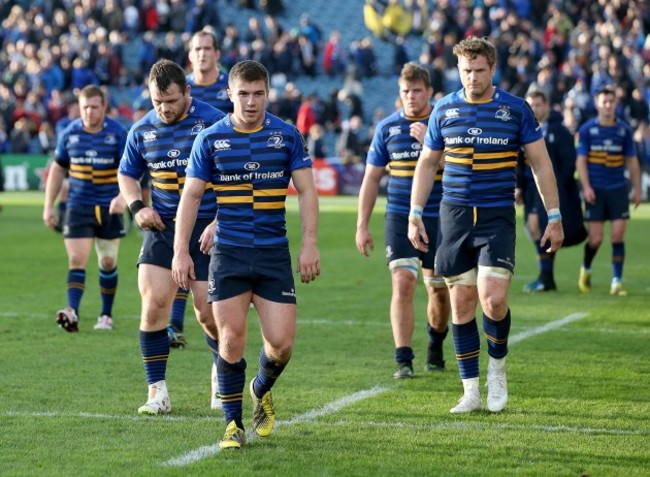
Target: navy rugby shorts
x,y
398,244
610,205
87,221
473,236
264,271
158,248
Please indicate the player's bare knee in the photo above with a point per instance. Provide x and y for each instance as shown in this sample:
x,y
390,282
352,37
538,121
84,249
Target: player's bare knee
x,y
404,277
107,253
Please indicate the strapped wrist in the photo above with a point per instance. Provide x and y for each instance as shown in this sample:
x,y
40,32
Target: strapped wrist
x,y
136,206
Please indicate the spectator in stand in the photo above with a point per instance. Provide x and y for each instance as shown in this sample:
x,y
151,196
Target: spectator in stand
x,y
334,56
306,116
316,143
350,142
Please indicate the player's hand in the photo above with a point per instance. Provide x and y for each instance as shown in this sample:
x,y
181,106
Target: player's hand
x,y
589,195
418,131
555,234
308,264
519,196
636,198
117,206
49,217
183,269
417,234
364,241
148,219
206,240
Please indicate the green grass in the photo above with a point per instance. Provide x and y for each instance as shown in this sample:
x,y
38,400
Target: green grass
x,y
579,393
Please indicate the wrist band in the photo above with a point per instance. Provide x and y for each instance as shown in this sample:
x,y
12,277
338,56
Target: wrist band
x,y
416,210
554,216
136,206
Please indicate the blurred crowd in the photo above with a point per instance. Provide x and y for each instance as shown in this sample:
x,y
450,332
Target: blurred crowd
x,y
565,48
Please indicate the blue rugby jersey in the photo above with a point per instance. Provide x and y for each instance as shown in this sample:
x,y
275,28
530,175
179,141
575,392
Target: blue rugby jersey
x,y
164,149
606,146
215,94
480,142
250,172
92,160
393,146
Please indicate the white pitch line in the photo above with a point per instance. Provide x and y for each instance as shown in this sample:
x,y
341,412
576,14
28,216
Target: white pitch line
x,y
119,417
491,425
547,327
330,408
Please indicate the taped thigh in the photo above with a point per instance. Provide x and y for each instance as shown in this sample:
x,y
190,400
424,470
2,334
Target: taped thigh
x,y
494,272
411,264
435,282
465,278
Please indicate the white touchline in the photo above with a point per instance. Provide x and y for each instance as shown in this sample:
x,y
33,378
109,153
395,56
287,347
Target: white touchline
x,y
330,408
207,451
514,339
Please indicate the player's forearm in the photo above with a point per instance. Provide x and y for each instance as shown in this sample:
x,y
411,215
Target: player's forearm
x,y
129,188
186,213
367,199
308,205
53,185
583,173
635,172
423,179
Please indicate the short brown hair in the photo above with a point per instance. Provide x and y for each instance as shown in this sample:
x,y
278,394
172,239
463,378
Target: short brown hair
x,y
536,93
249,71
206,32
472,47
412,72
165,73
92,91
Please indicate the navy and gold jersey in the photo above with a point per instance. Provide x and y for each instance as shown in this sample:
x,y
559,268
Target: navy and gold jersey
x,y
215,94
481,142
393,146
92,160
606,146
250,172
163,149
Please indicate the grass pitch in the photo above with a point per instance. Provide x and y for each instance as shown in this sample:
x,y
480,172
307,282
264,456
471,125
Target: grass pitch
x,y
578,373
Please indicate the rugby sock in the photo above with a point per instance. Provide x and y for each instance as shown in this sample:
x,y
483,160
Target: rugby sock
x,y
154,347
497,333
268,373
467,344
404,354
436,338
177,318
232,378
214,347
76,286
590,253
107,286
545,260
618,257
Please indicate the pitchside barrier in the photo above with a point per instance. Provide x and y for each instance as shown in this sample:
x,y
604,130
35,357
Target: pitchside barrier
x,y
22,172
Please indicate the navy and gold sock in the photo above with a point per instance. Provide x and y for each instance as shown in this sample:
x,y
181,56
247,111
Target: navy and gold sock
x,y
232,378
467,344
76,287
177,318
154,347
214,347
618,258
268,373
497,333
107,287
